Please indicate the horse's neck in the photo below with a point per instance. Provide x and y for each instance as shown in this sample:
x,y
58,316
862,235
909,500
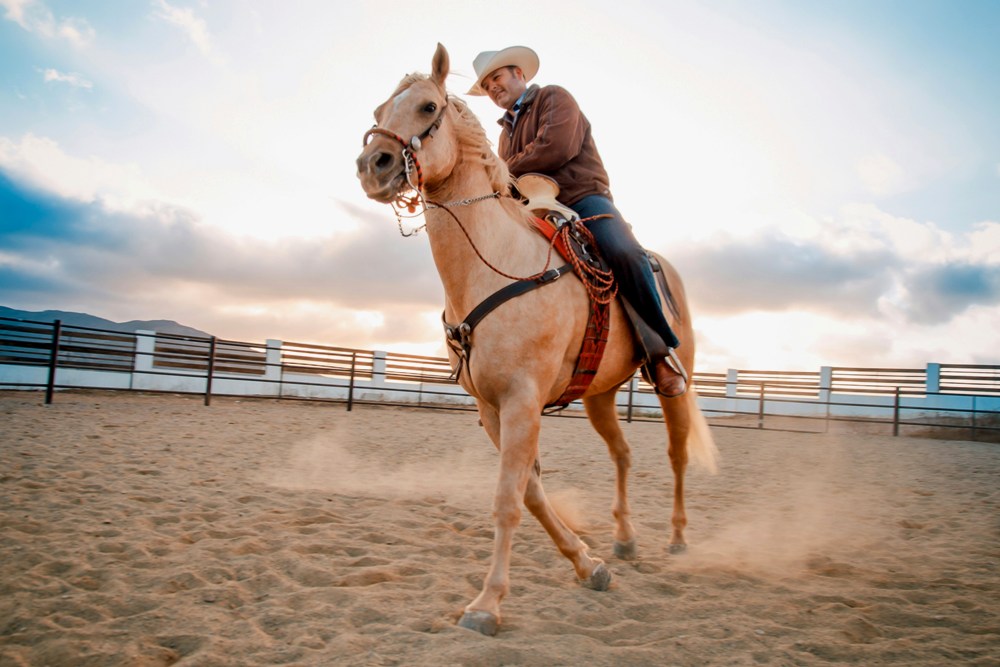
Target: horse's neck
x,y
503,241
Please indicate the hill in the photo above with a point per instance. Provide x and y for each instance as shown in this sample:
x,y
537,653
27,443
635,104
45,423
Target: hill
x,y
94,322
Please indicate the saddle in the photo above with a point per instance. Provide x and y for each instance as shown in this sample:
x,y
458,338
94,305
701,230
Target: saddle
x,y
573,241
539,193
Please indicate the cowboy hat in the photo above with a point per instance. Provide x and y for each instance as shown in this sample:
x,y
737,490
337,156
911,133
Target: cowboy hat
x,y
489,61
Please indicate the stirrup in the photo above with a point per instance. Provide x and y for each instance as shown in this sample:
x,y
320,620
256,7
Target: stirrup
x,y
676,364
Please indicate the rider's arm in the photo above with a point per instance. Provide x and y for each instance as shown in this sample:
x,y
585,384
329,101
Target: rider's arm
x,y
561,131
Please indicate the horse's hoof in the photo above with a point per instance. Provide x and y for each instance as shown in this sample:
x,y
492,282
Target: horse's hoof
x,y
600,578
678,548
626,550
481,621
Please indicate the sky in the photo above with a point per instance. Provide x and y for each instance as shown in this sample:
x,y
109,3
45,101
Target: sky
x,y
825,176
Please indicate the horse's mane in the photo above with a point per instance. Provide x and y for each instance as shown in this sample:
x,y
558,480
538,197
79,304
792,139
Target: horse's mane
x,y
471,137
476,147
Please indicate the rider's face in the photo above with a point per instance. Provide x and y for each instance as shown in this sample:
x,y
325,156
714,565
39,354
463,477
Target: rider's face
x,y
505,86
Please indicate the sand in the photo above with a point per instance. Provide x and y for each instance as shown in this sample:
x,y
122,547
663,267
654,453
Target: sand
x,y
150,530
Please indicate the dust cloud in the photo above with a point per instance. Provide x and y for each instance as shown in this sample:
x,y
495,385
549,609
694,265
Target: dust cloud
x,y
336,462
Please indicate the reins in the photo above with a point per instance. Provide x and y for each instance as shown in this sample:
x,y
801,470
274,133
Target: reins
x,y
600,284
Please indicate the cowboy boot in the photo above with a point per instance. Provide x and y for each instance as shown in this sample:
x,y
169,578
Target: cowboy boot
x,y
671,379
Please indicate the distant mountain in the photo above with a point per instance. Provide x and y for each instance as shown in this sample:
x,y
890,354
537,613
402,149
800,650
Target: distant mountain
x,y
94,322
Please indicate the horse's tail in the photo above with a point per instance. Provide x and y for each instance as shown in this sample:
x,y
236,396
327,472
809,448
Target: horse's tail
x,y
700,443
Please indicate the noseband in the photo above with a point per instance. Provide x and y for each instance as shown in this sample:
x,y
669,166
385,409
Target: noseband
x,y
410,162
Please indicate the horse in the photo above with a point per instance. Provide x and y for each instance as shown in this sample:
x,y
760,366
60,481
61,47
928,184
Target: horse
x,y
523,352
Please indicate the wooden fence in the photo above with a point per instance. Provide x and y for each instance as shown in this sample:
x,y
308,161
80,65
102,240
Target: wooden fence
x,y
52,356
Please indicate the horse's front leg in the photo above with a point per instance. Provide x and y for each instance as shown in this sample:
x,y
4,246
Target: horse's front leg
x,y
518,435
590,571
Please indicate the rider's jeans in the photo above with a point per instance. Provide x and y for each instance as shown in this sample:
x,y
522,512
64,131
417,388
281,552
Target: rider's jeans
x,y
627,260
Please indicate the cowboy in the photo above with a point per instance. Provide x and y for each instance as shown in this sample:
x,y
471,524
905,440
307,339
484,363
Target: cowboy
x,y
545,132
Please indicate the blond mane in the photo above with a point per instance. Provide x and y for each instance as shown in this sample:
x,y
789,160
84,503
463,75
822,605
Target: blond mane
x,y
476,147
473,143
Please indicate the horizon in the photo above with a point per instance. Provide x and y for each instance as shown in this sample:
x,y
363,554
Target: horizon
x,y
825,178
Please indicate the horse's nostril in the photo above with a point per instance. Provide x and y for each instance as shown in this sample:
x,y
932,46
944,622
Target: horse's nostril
x,y
382,160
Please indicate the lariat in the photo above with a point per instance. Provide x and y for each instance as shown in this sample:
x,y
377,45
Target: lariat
x,y
600,284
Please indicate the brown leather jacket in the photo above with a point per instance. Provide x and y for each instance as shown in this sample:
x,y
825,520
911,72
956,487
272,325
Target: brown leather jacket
x,y
552,137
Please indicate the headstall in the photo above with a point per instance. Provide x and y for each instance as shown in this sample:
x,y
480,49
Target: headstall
x,y
411,164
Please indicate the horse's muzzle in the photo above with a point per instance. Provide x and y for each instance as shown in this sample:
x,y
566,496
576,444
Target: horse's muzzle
x,y
381,172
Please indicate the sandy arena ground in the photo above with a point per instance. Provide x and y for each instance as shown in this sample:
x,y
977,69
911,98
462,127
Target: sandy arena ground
x,y
149,530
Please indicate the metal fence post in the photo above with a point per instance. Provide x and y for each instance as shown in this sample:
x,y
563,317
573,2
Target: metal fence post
x,y
350,387
760,407
631,391
53,361
895,414
975,426
211,371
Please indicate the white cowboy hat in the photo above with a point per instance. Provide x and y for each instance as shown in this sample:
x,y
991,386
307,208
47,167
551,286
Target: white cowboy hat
x,y
489,61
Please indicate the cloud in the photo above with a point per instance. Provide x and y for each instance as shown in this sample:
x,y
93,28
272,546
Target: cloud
x,y
774,273
867,265
76,31
41,163
15,11
880,175
194,27
76,248
71,78
35,17
936,294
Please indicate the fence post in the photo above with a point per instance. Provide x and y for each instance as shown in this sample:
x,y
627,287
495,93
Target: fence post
x,y
53,361
350,387
631,391
975,426
273,370
278,350
895,414
933,378
825,391
760,407
379,375
211,371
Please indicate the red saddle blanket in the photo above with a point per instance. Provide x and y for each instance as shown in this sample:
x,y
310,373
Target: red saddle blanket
x,y
595,338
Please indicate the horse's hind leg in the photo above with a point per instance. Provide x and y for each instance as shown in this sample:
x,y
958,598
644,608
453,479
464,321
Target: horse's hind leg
x,y
678,418
602,412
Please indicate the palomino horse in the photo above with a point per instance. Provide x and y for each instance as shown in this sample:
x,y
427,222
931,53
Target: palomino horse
x,y
523,353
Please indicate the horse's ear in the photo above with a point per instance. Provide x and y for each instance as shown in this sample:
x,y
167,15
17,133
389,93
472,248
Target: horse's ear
x,y
440,65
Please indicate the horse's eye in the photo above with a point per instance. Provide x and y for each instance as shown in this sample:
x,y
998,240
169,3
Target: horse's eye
x,y
430,108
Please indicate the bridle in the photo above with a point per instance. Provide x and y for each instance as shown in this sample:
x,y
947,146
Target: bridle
x,y
411,164
410,202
